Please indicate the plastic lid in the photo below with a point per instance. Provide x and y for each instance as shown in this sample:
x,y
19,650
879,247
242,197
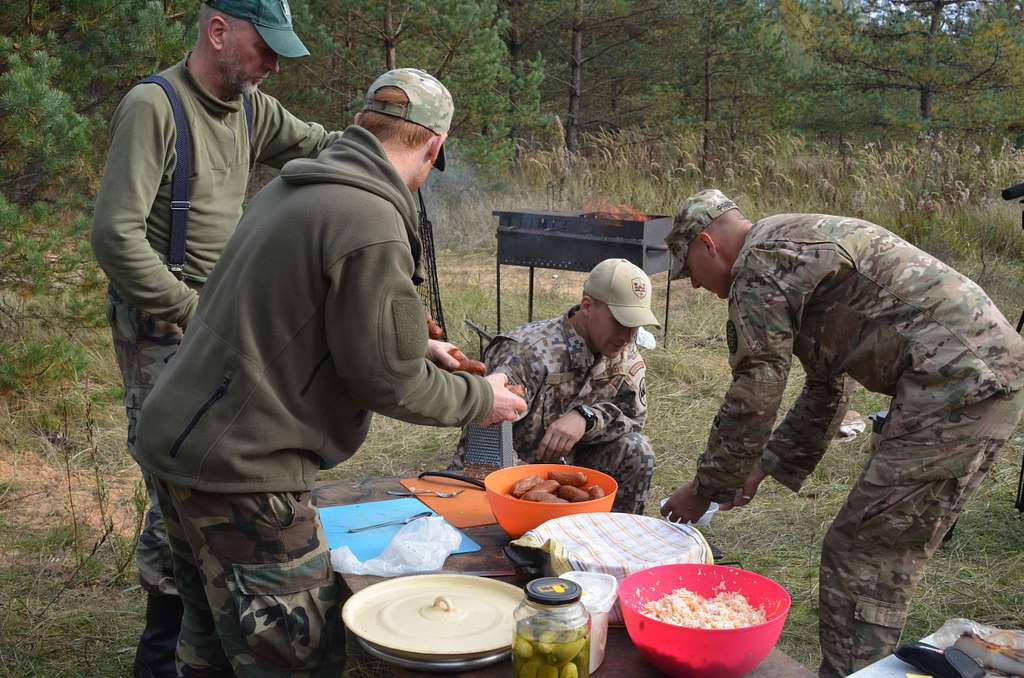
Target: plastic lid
x,y
599,589
553,591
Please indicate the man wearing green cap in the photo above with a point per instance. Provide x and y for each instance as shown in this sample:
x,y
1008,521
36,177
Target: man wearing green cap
x,y
847,297
309,324
585,382
150,299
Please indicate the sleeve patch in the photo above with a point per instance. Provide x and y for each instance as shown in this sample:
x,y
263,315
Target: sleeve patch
x,y
410,328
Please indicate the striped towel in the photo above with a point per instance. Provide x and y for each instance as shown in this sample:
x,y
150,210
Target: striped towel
x,y
618,544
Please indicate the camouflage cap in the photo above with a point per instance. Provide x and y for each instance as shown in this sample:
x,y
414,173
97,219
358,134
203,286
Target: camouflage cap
x,y
430,103
625,288
694,216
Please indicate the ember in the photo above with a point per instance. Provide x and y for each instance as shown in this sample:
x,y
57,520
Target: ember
x,y
603,208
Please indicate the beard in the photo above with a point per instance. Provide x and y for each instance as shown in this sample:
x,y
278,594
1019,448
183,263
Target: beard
x,y
236,80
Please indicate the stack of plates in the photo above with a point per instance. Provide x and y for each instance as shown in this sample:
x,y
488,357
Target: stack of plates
x,y
442,623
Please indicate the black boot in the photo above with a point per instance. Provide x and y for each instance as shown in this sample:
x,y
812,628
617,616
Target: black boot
x,y
154,657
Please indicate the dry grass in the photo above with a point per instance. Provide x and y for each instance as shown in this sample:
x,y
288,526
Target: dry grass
x,y
69,497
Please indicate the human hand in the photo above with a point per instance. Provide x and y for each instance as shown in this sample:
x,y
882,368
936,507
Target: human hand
x,y
437,352
561,436
685,505
507,405
746,493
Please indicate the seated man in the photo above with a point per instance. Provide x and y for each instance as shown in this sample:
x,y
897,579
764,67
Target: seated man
x,y
585,382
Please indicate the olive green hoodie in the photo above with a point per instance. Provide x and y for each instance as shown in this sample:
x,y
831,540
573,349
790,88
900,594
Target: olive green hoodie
x,y
309,322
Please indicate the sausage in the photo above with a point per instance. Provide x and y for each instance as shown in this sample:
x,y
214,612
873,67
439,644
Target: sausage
x,y
550,486
466,364
518,389
543,497
574,478
573,493
525,485
595,491
434,330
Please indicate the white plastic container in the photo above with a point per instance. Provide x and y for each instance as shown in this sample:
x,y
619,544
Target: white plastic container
x,y
599,593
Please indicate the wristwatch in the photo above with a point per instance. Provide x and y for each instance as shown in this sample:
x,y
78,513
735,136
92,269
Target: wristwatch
x,y
588,415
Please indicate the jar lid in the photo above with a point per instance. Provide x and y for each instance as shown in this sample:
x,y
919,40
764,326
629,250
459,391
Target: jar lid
x,y
553,591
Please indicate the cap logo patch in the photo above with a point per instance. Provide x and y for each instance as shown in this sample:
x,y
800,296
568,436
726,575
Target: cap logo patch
x,y
287,11
639,287
725,205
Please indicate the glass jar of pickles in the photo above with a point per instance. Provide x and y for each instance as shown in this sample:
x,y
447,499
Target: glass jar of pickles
x,y
552,638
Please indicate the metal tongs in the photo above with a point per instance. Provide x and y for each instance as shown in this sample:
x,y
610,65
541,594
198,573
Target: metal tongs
x,y
402,521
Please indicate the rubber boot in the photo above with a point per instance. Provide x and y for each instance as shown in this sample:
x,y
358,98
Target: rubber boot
x,y
154,657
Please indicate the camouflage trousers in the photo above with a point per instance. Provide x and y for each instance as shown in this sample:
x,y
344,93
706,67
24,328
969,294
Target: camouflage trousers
x,y
907,498
254,574
143,346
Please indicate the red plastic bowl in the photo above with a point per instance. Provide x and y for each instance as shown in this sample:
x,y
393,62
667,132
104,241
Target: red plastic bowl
x,y
702,653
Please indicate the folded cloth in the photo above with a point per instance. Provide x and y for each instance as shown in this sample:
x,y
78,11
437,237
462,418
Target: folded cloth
x,y
618,544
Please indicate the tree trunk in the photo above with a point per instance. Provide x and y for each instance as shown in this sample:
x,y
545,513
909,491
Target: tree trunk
x,y
389,38
514,43
575,80
926,90
706,147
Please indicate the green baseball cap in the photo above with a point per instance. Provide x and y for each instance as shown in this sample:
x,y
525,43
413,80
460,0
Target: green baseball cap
x,y
272,20
430,103
625,288
694,216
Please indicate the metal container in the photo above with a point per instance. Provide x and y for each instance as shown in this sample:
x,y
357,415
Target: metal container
x,y
574,240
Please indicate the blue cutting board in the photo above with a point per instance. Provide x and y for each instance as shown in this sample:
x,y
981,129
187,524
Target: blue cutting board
x,y
369,543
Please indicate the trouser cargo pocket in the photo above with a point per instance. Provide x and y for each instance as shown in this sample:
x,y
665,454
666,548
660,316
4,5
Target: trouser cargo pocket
x,y
287,612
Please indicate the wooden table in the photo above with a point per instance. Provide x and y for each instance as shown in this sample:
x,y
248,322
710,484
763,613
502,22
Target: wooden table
x,y
621,658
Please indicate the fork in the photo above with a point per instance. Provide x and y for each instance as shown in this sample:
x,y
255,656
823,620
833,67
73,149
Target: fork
x,y
413,493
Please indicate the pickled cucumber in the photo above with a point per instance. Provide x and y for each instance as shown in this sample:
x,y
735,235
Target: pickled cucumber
x,y
526,669
548,671
551,654
523,648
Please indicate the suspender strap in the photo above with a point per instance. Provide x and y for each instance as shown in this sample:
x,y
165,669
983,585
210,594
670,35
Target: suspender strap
x,y
180,203
247,107
179,180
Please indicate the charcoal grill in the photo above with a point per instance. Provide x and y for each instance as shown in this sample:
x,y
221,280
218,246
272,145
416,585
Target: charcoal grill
x,y
575,240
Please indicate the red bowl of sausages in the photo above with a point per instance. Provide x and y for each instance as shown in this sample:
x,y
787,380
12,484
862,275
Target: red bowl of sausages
x,y
523,497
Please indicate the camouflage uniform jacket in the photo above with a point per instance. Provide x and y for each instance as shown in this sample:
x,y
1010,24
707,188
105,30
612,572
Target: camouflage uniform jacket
x,y
559,372
846,297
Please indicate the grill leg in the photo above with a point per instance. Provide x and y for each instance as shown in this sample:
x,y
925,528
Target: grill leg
x,y
1020,488
668,296
529,312
497,284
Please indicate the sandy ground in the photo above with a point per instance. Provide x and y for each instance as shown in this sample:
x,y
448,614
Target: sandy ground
x,y
39,496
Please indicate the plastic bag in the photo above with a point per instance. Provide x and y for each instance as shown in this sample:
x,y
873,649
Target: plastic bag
x,y
420,546
999,651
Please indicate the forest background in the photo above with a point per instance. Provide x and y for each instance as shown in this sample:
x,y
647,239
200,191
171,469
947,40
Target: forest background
x,y
905,113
